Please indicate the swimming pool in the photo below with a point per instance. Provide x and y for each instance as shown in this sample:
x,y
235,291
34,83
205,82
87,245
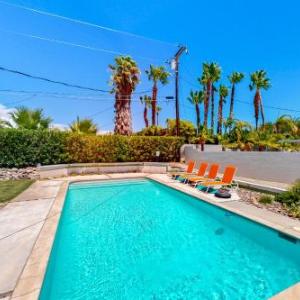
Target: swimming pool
x,y
138,239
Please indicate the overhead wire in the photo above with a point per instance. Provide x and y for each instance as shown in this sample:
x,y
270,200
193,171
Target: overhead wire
x,y
45,13
17,72
66,96
66,43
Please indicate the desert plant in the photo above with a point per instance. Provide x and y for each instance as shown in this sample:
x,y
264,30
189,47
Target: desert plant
x,y
234,78
83,126
223,93
25,118
156,75
125,78
146,101
290,197
266,199
259,80
196,98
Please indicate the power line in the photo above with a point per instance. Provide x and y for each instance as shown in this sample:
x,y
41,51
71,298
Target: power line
x,y
84,23
271,107
20,101
60,82
66,96
66,43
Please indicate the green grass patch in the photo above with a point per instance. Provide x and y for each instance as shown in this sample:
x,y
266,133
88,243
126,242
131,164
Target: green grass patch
x,y
11,188
266,199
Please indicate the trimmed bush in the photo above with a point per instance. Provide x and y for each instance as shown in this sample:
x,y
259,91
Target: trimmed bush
x,y
114,148
21,148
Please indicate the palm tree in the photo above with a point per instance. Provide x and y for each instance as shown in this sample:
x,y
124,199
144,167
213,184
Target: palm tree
x,y
196,98
125,77
158,110
146,100
4,124
211,73
25,118
259,80
156,74
234,78
223,93
83,126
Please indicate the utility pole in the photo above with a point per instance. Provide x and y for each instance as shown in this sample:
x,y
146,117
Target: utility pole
x,y
175,66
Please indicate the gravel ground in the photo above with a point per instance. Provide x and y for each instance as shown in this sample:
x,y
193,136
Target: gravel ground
x,y
252,198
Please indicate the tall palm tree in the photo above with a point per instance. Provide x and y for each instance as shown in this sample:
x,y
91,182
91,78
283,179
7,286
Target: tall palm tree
x,y
158,110
215,70
125,78
83,126
234,78
211,73
156,75
196,98
25,118
146,101
259,80
223,93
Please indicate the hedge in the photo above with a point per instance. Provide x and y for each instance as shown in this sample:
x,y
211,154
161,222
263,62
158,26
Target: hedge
x,y
21,148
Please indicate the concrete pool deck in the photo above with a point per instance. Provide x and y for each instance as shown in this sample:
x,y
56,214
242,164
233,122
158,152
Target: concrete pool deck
x,y
28,226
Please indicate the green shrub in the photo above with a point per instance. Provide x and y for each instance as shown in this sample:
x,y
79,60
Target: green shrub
x,y
114,148
21,148
266,199
290,197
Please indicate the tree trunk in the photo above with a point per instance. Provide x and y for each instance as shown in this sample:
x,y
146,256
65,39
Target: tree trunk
x,y
123,120
206,103
146,116
157,119
220,116
197,117
153,103
232,101
256,107
212,121
261,111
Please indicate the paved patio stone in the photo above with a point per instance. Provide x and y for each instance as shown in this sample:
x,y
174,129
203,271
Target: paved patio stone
x,y
20,225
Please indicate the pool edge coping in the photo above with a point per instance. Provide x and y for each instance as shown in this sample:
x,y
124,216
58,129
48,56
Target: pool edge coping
x,y
31,279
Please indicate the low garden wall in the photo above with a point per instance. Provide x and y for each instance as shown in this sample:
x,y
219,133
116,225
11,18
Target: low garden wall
x,y
270,166
22,148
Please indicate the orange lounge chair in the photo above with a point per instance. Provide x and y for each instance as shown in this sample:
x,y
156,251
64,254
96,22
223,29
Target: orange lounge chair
x,y
212,174
189,170
227,179
201,172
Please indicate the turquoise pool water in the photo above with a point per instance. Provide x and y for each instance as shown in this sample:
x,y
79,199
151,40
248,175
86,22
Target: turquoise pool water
x,y
138,239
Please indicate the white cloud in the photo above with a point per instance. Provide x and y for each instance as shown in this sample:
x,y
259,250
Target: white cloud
x,y
5,113
62,127
104,132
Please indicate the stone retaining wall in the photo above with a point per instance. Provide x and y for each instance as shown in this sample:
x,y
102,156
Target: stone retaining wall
x,y
14,173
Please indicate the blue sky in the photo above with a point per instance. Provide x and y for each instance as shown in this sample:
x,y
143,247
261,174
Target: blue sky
x,y
239,35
